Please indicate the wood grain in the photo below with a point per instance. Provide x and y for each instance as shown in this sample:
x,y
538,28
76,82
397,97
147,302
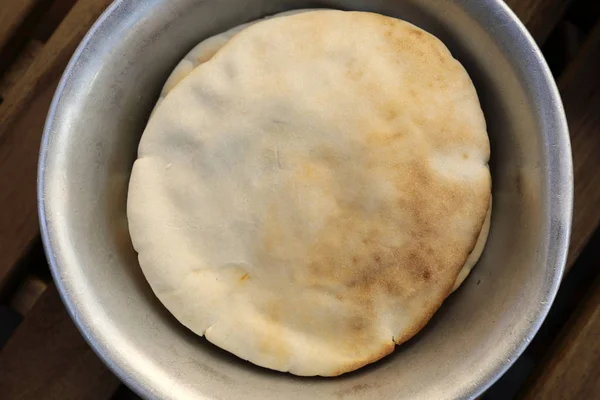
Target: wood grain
x,y
22,117
580,89
47,358
540,16
572,369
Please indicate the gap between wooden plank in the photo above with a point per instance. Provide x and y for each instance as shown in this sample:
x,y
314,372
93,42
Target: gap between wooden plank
x,y
540,16
47,358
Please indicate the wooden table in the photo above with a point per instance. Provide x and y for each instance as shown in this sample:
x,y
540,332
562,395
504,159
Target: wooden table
x,y
42,355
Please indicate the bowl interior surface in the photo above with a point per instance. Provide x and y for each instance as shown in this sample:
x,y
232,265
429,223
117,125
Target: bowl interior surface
x,y
91,139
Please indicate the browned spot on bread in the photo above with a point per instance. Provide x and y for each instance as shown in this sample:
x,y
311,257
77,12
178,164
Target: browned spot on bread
x,y
396,35
390,113
385,21
354,74
244,277
358,323
426,275
416,32
385,138
354,70
327,154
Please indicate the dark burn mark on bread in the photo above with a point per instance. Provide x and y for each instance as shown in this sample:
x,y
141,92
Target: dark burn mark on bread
x,y
426,275
415,32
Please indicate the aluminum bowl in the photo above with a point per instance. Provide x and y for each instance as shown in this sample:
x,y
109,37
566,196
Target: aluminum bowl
x,y
90,142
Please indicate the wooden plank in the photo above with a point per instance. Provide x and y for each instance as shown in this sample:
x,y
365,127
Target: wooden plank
x,y
12,15
47,358
51,62
21,122
580,89
27,294
540,16
572,370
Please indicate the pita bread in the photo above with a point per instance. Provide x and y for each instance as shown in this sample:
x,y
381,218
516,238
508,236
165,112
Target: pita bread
x,y
307,197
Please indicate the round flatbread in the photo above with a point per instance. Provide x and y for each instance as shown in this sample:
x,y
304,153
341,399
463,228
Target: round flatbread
x,y
307,198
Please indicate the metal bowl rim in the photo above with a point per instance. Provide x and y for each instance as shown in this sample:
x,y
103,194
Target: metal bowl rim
x,y
560,173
